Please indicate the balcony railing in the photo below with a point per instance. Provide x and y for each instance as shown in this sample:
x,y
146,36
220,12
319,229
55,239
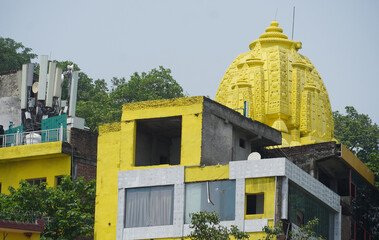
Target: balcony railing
x,y
34,137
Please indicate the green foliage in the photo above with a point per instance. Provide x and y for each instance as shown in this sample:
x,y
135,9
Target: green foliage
x,y
358,133
206,225
156,84
274,232
68,209
98,105
306,232
13,54
302,233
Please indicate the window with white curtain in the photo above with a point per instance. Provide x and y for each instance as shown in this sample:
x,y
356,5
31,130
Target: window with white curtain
x,y
149,206
218,196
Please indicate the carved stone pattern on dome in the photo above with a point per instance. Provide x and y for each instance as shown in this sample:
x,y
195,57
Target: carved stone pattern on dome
x,y
305,121
274,80
297,79
284,94
258,100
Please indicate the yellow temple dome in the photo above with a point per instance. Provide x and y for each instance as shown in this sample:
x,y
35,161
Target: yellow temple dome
x,y
282,87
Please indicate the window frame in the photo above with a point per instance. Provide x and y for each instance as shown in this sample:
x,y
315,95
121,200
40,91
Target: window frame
x,y
187,211
169,186
32,181
246,202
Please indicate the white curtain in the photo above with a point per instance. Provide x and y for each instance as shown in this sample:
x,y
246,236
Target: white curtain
x,y
151,206
161,206
137,207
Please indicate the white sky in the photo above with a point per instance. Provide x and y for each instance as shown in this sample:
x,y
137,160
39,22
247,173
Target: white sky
x,y
199,39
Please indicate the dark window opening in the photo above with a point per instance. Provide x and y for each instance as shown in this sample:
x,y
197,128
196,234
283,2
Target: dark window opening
x,y
36,181
242,143
299,218
158,141
58,180
343,187
254,204
0,187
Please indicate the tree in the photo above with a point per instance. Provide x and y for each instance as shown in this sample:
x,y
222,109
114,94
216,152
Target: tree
x,y
274,232
68,209
13,54
358,133
156,84
206,225
99,105
302,233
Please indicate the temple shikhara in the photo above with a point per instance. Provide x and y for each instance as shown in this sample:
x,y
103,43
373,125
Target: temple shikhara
x,y
282,87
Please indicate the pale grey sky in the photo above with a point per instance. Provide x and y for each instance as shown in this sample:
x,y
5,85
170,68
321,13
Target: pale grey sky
x,y
199,39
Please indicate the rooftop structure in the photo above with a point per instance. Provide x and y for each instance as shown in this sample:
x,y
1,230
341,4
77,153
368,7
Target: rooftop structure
x,y
282,88
168,158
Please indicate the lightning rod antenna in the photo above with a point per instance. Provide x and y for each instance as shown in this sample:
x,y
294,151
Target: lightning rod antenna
x,y
276,12
293,21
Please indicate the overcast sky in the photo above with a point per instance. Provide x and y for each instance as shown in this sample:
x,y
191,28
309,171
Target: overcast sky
x,y
199,39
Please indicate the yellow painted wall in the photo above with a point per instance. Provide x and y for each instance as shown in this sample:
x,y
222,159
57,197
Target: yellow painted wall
x,y
45,161
116,151
108,165
266,186
354,162
19,236
208,173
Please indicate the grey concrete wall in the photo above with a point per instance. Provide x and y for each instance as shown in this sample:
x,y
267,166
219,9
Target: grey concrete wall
x,y
10,103
10,84
10,111
217,142
241,153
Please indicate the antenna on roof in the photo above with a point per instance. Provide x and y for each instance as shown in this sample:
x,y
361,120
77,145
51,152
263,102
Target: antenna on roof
x,y
293,21
276,12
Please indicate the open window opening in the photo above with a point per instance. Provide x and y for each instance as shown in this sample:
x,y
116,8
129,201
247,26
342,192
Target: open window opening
x,y
158,141
255,204
299,218
242,143
58,180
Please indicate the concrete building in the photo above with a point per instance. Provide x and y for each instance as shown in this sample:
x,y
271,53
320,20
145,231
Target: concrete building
x,y
56,145
21,231
49,161
340,170
168,158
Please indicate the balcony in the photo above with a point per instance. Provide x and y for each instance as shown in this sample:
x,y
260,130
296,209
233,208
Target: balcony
x,y
35,137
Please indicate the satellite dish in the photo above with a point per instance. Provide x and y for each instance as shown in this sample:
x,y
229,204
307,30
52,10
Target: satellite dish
x,y
35,87
254,156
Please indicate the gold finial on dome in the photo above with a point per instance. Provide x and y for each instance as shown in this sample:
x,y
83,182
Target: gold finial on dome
x,y
274,31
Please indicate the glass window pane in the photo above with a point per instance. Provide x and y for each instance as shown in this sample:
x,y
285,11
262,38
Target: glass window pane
x,y
218,196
